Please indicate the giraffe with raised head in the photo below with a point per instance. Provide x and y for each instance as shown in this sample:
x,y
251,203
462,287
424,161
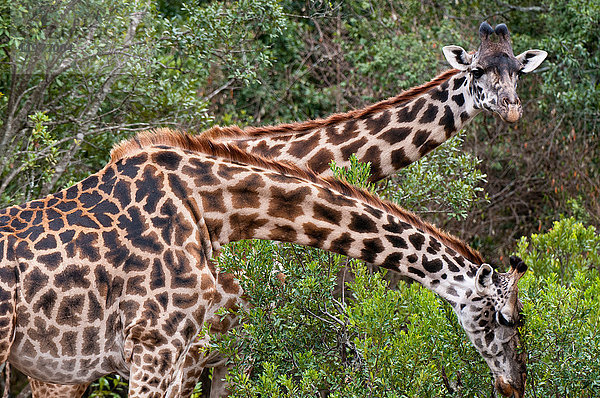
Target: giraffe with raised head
x,y
113,273
393,133
398,131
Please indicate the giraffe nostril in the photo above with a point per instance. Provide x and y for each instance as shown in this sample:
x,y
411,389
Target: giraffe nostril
x,y
505,102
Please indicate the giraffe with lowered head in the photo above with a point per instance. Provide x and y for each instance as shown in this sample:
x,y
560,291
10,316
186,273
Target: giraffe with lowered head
x,y
395,132
113,273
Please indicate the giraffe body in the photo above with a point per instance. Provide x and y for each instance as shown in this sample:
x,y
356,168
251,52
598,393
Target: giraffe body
x,y
88,302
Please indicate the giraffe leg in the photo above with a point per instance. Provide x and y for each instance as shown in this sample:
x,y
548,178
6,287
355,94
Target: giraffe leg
x,y
219,387
153,374
8,303
40,389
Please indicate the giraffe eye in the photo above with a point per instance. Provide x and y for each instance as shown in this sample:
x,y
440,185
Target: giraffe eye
x,y
503,321
477,73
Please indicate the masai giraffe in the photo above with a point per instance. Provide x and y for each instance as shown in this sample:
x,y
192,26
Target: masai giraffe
x,y
398,131
112,274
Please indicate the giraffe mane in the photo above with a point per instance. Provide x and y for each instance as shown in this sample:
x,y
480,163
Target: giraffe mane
x,y
173,138
218,132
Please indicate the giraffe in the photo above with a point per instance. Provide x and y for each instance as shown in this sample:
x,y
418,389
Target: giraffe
x,y
398,131
113,273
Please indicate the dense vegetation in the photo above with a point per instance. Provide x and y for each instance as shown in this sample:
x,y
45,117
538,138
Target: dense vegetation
x,y
76,77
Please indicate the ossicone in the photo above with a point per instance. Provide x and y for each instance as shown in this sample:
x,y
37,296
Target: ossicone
x,y
485,29
517,266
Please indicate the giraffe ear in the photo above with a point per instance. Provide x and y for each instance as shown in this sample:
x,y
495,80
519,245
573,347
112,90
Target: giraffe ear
x,y
457,57
483,278
531,59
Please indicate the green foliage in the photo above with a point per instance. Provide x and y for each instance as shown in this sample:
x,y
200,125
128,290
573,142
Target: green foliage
x,y
446,181
562,310
358,173
562,335
103,69
113,386
288,336
567,248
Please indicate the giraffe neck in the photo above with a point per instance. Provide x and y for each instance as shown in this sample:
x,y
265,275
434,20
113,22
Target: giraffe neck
x,y
390,135
240,201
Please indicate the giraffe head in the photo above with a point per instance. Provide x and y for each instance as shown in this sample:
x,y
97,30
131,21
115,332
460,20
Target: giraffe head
x,y
491,320
493,71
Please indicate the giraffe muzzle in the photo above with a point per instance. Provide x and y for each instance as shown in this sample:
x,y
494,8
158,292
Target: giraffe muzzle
x,y
510,390
511,111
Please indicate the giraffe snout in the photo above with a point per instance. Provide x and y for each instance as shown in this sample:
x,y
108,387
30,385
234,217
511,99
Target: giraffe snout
x,y
512,390
510,106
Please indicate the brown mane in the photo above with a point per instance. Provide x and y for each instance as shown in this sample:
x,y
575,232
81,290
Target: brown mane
x,y
200,144
218,132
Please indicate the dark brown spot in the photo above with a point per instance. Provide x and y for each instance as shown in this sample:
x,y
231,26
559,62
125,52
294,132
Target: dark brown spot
x,y
150,188
372,247
342,244
284,233
416,271
420,137
33,282
353,147
167,159
72,277
212,201
70,310
417,240
406,116
90,341
327,214
439,93
68,344
429,114
447,121
373,155
432,266
302,148
347,131
201,172
245,194
361,223
397,241
286,203
317,236
46,303
320,161
245,225
396,134
399,159
459,99
377,122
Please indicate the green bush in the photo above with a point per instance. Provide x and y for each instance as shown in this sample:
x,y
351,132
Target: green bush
x,y
567,248
562,310
299,340
562,335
